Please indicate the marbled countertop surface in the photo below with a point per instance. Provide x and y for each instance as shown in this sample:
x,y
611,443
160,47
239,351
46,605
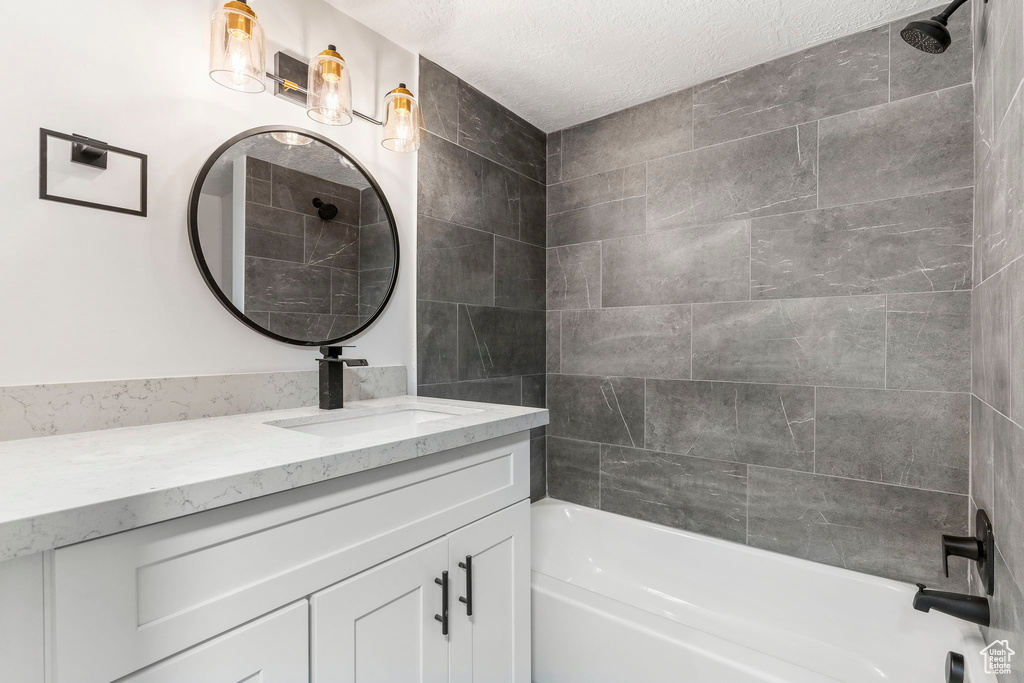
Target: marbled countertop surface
x,y
59,490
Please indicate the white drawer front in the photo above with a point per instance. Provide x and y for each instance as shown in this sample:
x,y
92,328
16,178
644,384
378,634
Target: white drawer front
x,y
128,600
274,649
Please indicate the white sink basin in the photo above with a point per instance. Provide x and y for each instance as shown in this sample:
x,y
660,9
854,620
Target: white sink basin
x,y
374,420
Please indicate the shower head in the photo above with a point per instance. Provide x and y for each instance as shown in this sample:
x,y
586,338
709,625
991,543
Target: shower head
x,y
931,35
326,211
927,35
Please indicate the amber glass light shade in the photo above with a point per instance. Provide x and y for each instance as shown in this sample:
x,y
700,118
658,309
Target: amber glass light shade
x,y
402,121
329,89
237,48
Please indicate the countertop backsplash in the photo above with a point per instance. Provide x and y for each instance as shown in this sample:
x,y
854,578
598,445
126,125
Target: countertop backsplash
x,y
51,409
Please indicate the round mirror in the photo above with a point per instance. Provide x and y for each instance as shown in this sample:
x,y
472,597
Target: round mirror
x,y
293,236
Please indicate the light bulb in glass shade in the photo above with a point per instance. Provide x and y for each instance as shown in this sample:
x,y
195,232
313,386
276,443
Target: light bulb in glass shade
x,y
402,121
237,48
290,138
329,89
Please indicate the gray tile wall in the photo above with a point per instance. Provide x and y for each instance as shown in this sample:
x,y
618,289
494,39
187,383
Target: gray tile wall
x,y
759,306
997,321
303,275
481,259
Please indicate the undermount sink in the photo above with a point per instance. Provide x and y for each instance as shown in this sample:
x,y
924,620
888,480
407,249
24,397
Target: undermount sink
x,y
373,420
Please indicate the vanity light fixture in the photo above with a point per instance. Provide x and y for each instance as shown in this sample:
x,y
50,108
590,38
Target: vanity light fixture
x,y
292,139
329,89
238,59
402,121
237,48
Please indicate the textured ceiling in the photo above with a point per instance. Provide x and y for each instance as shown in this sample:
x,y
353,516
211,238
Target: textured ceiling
x,y
561,62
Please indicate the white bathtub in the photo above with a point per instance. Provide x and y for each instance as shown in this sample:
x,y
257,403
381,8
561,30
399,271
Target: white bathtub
x,y
618,600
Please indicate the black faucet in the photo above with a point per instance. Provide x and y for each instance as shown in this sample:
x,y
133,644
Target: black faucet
x,y
966,607
332,384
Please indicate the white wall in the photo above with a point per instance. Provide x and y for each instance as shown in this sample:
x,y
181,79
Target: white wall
x,y
92,295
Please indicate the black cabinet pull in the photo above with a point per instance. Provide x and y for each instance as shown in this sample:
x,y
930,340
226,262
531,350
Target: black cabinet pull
x,y
468,600
443,616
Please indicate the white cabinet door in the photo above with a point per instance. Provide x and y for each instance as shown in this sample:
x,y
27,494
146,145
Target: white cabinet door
x,y
493,644
274,649
379,626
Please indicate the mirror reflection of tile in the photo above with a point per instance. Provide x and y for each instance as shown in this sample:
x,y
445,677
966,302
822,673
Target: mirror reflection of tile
x,y
305,277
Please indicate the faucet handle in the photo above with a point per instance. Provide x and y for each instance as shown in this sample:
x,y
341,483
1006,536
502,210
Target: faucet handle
x,y
960,546
334,351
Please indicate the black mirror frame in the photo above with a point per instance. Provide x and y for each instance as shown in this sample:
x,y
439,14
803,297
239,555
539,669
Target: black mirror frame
x,y
197,250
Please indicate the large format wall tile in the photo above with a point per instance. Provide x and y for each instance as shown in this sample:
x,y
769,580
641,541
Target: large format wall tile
x,y
275,245
601,221
887,530
710,263
1001,229
1006,44
503,390
330,243
1007,613
574,471
844,75
767,174
574,276
1008,470
911,438
454,263
260,217
535,391
311,325
458,186
990,341
532,212
519,274
929,341
495,342
705,496
579,193
913,244
983,453
914,72
553,335
1015,282
554,157
439,100
538,465
647,131
284,287
605,409
913,146
436,342
481,253
834,341
494,132
647,341
376,247
759,424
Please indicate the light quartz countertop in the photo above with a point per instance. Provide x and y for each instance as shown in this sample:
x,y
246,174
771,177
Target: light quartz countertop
x,y
59,490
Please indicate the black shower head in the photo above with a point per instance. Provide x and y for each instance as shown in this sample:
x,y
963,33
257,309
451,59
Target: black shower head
x,y
326,211
931,35
927,35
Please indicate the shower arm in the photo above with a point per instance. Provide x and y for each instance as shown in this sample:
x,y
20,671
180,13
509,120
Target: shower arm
x,y
948,12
